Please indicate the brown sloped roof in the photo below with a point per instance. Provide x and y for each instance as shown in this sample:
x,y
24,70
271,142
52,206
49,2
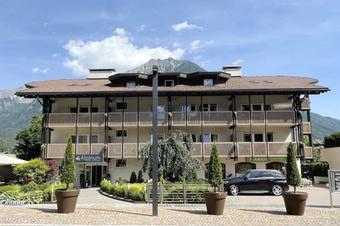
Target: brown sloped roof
x,y
244,84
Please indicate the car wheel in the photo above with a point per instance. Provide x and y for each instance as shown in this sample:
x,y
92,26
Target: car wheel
x,y
277,190
233,190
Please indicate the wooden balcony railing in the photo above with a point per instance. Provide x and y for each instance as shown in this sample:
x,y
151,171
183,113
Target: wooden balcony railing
x,y
308,152
226,149
217,118
260,149
58,150
258,117
306,127
244,149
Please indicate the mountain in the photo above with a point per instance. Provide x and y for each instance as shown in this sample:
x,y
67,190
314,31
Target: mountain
x,y
323,126
167,65
15,114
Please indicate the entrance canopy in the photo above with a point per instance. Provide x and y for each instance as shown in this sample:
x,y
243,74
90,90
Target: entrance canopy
x,y
6,160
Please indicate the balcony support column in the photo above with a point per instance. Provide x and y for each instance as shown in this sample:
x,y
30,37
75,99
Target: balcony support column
x,y
186,112
137,125
265,125
170,116
251,126
202,144
45,129
106,127
234,129
91,115
123,119
310,135
77,115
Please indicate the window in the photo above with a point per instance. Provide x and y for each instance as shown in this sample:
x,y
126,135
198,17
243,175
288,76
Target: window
x,y
270,137
94,139
119,133
208,82
257,107
82,139
193,137
210,137
245,107
209,107
121,105
131,85
169,83
121,163
84,109
95,109
268,107
73,139
247,137
258,137
73,110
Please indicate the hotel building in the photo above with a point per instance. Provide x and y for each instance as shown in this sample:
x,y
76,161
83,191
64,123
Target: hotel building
x,y
251,119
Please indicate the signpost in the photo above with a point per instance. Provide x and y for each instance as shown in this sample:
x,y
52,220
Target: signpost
x,y
154,141
334,183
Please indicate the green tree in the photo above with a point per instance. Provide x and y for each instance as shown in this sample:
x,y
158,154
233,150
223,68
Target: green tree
x,y
293,175
67,166
140,178
4,146
133,177
28,140
332,140
215,169
174,158
34,170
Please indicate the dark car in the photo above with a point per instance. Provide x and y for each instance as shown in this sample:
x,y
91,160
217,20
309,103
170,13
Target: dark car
x,y
252,181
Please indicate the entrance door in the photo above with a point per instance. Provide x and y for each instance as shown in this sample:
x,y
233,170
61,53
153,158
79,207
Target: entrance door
x,y
96,175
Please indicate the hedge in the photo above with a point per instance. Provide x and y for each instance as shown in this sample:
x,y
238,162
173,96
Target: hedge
x,y
134,192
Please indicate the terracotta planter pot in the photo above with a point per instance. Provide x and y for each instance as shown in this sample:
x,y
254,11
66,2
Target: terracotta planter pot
x,y
295,202
66,200
215,202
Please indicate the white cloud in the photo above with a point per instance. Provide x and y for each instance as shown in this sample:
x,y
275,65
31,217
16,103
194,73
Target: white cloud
x,y
195,45
56,54
40,70
176,44
185,25
117,51
141,27
237,62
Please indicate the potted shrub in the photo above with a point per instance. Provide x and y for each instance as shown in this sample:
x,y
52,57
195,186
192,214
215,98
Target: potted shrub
x,y
215,200
67,198
294,201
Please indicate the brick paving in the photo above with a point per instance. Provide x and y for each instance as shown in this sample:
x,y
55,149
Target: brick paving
x,y
95,209
140,215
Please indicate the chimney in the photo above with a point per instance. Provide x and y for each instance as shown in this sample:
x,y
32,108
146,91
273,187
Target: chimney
x,y
100,73
234,71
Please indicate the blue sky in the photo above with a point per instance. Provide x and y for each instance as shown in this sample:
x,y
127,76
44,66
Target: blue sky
x,y
43,39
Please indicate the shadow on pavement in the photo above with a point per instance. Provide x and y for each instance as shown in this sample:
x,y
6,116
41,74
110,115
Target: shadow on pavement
x,y
273,212
45,210
197,212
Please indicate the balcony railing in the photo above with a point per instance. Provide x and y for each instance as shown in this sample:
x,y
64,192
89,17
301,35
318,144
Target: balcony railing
x,y
58,150
308,152
70,119
306,127
258,117
217,118
260,149
226,149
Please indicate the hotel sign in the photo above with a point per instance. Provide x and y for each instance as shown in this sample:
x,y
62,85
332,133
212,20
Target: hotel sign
x,y
89,158
266,159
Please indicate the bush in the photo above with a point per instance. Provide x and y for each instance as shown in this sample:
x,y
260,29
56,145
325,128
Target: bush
x,y
122,181
140,178
215,168
67,166
47,190
320,170
128,191
9,188
133,177
332,140
32,197
35,170
31,186
53,169
293,175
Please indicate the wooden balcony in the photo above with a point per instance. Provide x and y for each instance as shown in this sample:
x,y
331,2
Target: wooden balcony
x,y
244,149
70,120
308,152
260,149
275,149
305,105
226,149
56,151
258,118
306,127
217,118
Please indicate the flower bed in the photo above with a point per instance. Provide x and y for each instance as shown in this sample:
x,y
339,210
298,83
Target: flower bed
x,y
135,192
30,193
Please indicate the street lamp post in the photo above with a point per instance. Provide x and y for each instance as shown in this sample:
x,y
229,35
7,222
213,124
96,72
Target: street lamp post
x,y
154,141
